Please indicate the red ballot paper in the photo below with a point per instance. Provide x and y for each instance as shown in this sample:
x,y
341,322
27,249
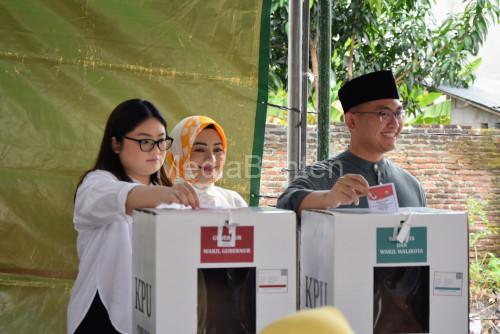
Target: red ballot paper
x,y
383,198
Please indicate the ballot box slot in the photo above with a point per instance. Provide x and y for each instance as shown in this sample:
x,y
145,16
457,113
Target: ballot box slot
x,y
226,300
401,299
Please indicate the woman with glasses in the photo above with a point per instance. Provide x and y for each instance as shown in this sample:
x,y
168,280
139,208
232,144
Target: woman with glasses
x,y
197,156
128,174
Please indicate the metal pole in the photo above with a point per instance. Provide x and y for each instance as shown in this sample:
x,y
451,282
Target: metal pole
x,y
324,60
305,90
294,76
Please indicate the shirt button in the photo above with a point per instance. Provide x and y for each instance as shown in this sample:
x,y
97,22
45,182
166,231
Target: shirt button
x,y
375,167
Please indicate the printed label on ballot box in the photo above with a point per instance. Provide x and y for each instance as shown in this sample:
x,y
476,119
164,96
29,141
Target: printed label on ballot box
x,y
214,250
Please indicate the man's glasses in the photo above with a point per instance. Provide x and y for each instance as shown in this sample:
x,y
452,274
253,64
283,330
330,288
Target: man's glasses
x,y
147,145
384,116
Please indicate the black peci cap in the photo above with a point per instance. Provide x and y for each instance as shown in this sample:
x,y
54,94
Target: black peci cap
x,y
368,87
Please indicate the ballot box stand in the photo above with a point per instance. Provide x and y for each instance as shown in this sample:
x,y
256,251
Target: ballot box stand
x,y
213,270
352,259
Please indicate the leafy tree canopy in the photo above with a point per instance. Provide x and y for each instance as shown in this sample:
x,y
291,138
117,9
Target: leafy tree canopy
x,y
401,35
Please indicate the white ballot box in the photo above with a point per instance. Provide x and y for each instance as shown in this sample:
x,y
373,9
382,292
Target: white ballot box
x,y
213,270
403,272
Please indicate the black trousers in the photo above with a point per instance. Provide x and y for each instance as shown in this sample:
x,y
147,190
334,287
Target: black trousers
x,y
96,320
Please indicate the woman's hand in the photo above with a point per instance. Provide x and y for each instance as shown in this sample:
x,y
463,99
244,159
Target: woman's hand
x,y
152,196
181,192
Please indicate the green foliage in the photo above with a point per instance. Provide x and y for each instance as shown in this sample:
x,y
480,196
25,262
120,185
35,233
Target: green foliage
x,y
435,109
279,45
275,115
484,269
400,35
439,113
280,116
476,216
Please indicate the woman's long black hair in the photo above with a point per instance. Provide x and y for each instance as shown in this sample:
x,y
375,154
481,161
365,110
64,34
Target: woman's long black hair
x,y
123,119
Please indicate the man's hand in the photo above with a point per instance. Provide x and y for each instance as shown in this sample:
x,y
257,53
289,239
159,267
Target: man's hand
x,y
347,190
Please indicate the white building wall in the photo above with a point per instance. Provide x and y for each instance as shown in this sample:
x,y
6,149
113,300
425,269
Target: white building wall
x,y
463,113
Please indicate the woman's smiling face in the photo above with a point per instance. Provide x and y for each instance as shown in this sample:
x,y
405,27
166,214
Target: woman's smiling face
x,y
207,157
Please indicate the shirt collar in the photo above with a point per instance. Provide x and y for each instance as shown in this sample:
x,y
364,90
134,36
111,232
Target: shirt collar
x,y
362,163
203,187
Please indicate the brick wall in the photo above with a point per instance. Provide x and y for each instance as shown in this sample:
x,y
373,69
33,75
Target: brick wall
x,y
453,163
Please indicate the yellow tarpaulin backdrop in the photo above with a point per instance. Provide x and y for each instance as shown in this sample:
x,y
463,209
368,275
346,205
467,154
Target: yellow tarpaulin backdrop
x,y
64,65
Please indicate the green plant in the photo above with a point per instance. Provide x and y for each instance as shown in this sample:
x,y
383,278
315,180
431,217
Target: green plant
x,y
393,34
279,97
484,268
274,115
435,109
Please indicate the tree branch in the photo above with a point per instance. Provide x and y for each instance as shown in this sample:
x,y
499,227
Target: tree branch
x,y
351,55
407,71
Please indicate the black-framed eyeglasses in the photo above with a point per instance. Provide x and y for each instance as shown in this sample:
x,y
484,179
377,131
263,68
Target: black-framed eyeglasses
x,y
384,116
147,145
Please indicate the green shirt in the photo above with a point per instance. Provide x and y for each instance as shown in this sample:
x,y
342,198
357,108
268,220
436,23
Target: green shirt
x,y
323,175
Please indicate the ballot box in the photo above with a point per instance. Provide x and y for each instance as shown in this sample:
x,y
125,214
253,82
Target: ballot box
x,y
403,272
213,270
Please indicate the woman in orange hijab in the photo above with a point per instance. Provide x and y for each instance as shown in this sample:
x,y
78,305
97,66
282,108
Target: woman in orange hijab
x,y
198,155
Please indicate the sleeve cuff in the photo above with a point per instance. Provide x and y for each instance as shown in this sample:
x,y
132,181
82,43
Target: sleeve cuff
x,y
122,197
291,200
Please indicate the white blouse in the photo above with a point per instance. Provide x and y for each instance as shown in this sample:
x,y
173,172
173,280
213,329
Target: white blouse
x,y
104,248
214,196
